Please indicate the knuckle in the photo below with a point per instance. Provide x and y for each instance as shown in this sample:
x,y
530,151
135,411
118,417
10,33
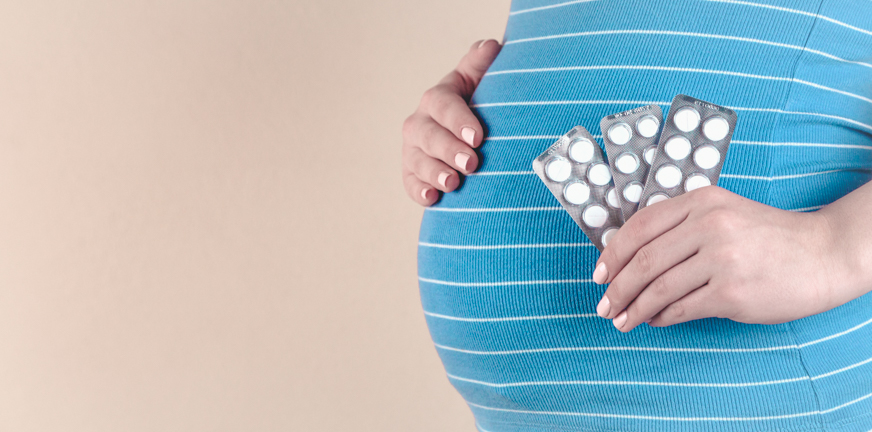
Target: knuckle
x,y
436,97
640,224
660,287
677,311
428,96
721,220
708,195
419,163
729,255
406,155
409,128
429,136
646,260
440,107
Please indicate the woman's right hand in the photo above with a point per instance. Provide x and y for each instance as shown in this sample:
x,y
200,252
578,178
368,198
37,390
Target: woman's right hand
x,y
440,137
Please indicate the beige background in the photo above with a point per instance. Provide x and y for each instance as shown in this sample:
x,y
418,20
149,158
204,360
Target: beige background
x,y
202,225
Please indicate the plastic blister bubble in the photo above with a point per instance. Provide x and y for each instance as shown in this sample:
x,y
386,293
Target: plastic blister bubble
x,y
630,140
575,171
692,149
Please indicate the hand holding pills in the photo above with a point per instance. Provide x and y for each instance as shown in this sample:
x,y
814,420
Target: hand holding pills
x,y
692,250
644,166
712,253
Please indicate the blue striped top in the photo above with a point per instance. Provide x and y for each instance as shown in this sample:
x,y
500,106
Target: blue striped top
x,y
504,271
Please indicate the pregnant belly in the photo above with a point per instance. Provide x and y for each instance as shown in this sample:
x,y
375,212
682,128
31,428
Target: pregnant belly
x,y
504,271
505,274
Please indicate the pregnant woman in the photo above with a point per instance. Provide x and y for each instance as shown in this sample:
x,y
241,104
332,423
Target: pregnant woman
x,y
737,307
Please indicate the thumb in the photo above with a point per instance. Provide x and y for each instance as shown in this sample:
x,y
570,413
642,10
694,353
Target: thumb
x,y
473,66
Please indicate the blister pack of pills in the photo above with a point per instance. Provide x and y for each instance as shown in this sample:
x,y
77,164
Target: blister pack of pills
x,y
630,139
692,149
575,171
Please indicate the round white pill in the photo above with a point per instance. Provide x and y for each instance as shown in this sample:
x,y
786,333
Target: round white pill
x,y
620,133
706,157
581,150
558,169
696,181
677,147
686,119
656,198
627,163
576,193
633,192
612,198
648,126
608,234
668,176
716,128
650,154
599,174
595,216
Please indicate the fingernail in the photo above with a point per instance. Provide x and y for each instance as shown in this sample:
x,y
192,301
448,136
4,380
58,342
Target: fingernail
x,y
602,309
424,193
468,135
462,159
481,44
620,320
648,322
443,179
601,274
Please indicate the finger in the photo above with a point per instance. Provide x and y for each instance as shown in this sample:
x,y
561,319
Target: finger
x,y
472,67
672,285
449,109
447,103
650,261
440,144
420,192
432,171
645,225
698,304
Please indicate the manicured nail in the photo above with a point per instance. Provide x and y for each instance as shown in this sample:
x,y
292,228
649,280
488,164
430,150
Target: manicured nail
x,y
462,159
468,135
443,179
424,193
601,274
603,308
620,320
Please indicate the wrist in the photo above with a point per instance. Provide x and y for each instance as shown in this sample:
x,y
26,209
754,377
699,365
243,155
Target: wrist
x,y
843,259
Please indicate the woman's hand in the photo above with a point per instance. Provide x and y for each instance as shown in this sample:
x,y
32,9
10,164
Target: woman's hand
x,y
440,137
712,253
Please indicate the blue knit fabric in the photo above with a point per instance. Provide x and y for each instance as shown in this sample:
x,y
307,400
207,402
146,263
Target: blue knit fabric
x,y
504,271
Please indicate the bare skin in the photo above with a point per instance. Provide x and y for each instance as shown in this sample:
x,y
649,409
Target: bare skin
x,y
440,137
712,253
707,253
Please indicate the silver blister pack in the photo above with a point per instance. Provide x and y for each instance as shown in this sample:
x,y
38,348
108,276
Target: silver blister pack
x,y
630,139
692,149
575,171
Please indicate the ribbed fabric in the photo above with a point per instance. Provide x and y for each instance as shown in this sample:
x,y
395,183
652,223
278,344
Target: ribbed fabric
x,y
504,271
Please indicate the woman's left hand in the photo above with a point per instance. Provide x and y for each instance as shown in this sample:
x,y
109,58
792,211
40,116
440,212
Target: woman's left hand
x,y
712,253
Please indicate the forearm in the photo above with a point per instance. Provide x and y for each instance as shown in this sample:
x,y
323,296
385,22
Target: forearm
x,y
849,223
